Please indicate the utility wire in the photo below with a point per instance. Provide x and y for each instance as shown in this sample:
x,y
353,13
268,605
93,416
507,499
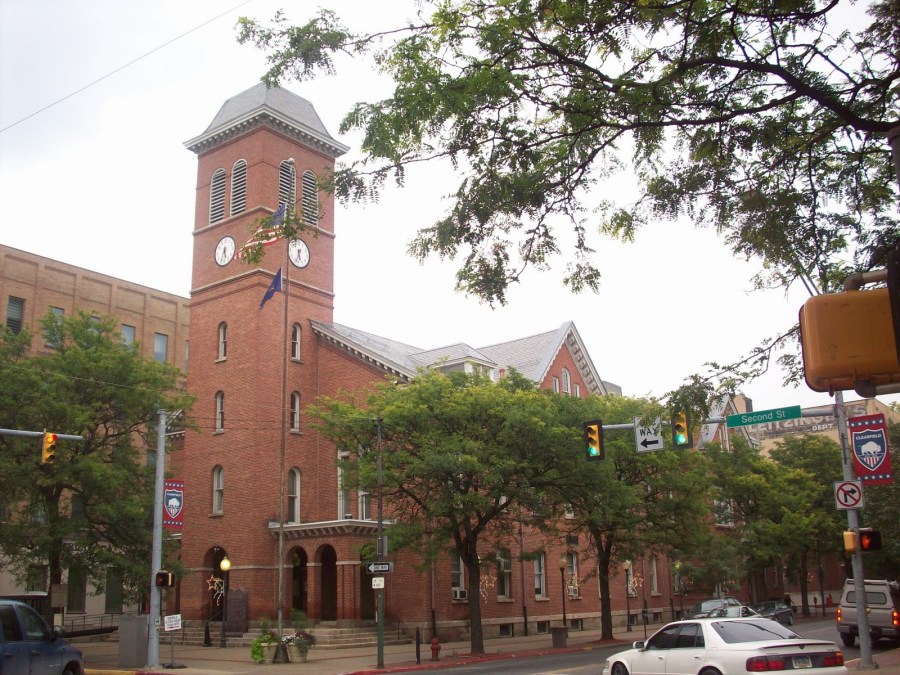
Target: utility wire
x,y
120,68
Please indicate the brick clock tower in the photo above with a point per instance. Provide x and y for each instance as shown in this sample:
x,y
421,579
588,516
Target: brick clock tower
x,y
250,465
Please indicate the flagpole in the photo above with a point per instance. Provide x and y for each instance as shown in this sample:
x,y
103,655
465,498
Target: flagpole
x,y
284,362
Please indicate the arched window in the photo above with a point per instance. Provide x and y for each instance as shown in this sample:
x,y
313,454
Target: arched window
x,y
566,382
223,340
217,196
287,184
295,341
310,203
295,411
220,410
239,187
293,495
218,489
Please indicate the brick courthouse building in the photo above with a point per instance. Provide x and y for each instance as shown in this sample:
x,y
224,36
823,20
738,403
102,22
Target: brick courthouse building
x,y
265,147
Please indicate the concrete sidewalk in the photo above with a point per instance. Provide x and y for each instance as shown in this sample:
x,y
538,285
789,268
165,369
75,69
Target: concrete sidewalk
x,y
101,658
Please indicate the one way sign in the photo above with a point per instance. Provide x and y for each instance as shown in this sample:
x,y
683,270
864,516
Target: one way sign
x,y
648,438
379,567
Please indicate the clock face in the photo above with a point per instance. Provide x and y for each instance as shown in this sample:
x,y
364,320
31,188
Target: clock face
x,y
298,252
225,250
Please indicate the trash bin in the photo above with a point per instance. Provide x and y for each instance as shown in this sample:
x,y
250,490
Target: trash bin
x,y
560,636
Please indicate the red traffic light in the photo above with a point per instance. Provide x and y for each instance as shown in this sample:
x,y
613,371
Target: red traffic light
x,y
48,448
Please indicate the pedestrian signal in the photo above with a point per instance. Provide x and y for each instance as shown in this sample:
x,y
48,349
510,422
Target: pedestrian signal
x,y
869,539
164,578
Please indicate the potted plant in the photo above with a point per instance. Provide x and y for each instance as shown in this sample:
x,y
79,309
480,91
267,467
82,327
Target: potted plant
x,y
298,645
263,646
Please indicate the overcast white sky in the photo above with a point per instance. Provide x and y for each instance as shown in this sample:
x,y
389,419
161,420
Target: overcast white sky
x,y
102,180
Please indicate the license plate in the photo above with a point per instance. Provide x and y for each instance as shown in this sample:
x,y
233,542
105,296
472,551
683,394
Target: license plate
x,y
802,662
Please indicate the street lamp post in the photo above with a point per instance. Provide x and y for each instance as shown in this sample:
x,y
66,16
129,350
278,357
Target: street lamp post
x,y
563,563
627,567
225,565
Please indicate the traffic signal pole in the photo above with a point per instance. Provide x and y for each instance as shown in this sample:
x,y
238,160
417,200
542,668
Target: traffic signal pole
x,y
859,577
156,553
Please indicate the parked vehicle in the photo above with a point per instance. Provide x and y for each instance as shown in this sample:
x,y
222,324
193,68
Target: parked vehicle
x,y
29,645
777,610
704,607
882,610
726,646
733,612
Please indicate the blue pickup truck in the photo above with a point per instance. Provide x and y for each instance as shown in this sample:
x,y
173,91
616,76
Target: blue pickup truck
x,y
28,645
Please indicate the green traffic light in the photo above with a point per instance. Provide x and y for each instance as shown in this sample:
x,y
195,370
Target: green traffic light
x,y
681,439
594,451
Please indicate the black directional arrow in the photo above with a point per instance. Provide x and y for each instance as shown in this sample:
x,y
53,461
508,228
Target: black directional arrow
x,y
648,441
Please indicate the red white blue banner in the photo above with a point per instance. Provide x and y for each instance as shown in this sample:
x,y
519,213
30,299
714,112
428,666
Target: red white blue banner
x,y
173,504
871,455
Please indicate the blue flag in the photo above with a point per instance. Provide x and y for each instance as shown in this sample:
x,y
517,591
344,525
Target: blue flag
x,y
274,288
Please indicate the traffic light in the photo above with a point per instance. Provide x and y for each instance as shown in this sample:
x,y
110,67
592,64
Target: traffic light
x,y
593,441
851,542
48,449
681,432
869,539
164,578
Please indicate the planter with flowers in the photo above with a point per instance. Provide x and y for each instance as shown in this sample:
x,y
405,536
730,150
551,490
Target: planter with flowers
x,y
298,645
262,649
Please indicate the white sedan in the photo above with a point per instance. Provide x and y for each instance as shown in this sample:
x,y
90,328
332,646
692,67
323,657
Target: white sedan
x,y
715,646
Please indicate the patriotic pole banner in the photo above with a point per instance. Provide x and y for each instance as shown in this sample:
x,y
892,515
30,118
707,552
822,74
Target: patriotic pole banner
x,y
871,455
173,504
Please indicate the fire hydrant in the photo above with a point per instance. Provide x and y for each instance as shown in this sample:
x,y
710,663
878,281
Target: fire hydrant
x,y
435,649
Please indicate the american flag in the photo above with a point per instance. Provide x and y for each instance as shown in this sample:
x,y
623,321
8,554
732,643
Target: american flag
x,y
268,234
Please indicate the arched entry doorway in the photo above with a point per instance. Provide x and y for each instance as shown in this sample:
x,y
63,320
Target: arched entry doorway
x,y
299,580
328,582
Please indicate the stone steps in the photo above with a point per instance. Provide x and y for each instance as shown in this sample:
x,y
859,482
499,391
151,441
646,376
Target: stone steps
x,y
327,637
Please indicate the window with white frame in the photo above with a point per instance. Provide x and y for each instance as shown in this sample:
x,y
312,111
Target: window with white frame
x,y
310,203
295,411
365,506
238,187
504,574
577,390
220,411
555,384
572,574
654,582
457,575
566,381
296,334
287,184
217,196
223,340
218,489
293,496
540,575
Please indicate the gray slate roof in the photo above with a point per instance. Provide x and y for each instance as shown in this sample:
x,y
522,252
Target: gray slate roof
x,y
279,107
531,356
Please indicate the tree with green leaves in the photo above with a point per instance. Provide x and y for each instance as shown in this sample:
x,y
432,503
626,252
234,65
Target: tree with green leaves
x,y
464,461
764,121
92,509
632,506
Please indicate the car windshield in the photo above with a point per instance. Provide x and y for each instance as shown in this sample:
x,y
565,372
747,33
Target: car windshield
x,y
751,631
765,606
706,606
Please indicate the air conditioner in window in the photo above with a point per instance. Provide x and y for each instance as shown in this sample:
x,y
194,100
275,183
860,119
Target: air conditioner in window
x,y
348,516
460,594
573,591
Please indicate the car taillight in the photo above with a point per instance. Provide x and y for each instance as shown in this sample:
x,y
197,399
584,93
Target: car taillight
x,y
895,618
839,614
763,664
833,659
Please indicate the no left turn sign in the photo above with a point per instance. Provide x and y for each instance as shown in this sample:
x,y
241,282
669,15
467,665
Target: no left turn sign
x,y
848,494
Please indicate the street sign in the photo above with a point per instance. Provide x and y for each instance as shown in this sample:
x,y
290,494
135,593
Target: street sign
x,y
377,582
379,567
648,439
792,412
848,494
173,622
